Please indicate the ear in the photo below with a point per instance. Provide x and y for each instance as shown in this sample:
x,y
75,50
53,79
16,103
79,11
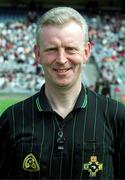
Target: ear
x,y
87,52
37,54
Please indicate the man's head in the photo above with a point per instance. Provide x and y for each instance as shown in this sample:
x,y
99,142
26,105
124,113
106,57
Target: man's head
x,y
61,16
62,46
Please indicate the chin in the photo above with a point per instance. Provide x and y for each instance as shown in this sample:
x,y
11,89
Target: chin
x,y
63,84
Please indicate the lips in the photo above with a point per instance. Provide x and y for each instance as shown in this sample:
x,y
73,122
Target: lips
x,y
62,70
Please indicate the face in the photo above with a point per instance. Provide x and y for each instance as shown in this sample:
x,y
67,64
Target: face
x,y
62,54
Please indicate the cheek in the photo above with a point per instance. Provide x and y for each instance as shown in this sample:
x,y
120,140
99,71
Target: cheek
x,y
47,59
77,59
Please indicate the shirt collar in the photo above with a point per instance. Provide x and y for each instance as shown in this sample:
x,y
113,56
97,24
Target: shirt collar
x,y
43,104
82,98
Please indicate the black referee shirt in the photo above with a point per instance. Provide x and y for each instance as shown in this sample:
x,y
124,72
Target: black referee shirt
x,y
93,144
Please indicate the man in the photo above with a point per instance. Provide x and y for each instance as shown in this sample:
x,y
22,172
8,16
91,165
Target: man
x,y
65,131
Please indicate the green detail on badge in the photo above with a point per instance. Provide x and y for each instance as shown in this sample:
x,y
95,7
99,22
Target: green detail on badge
x,y
93,166
30,163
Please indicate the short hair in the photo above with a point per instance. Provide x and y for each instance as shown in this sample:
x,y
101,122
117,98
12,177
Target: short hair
x,y
60,16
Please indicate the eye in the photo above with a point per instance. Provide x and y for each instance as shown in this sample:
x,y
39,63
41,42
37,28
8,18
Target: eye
x,y
51,49
70,49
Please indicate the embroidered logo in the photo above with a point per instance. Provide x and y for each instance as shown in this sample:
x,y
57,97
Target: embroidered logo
x,y
30,163
93,166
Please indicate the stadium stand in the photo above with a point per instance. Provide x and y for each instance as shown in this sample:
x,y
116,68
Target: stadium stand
x,y
20,73
108,39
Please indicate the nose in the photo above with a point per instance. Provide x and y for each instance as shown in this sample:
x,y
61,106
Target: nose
x,y
61,58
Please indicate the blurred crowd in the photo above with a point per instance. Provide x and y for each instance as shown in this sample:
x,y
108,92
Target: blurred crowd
x,y
108,39
107,35
19,70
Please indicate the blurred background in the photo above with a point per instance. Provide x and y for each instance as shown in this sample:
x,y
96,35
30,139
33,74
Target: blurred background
x,y
21,76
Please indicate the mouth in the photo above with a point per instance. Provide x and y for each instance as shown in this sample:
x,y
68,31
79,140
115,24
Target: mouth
x,y
62,70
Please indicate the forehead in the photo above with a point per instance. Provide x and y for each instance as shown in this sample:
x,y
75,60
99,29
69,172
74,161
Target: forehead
x,y
68,31
66,25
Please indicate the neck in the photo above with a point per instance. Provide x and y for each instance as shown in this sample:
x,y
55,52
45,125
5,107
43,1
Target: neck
x,y
61,99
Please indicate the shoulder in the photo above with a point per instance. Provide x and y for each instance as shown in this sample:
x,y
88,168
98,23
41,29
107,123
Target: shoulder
x,y
105,104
